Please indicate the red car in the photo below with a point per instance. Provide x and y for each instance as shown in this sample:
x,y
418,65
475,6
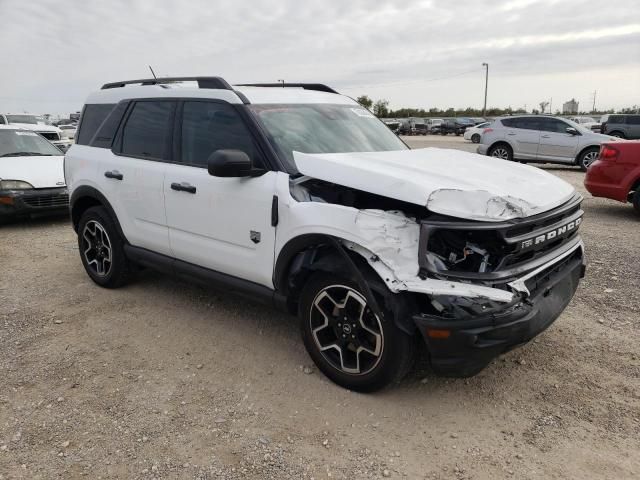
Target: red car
x,y
616,173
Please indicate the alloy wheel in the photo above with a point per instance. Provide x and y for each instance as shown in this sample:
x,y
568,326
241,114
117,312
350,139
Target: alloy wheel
x,y
501,153
589,158
96,248
346,332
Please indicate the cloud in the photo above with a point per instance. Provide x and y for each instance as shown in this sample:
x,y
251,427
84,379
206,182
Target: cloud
x,y
419,53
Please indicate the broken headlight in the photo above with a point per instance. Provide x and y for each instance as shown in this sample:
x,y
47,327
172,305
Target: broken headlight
x,y
458,250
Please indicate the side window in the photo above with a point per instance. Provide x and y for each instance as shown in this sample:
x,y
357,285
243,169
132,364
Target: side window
x,y
633,119
510,122
2,121
211,126
616,119
147,132
553,125
92,117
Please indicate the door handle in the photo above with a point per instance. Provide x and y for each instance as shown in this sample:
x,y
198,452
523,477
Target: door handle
x,y
116,175
511,134
545,136
183,187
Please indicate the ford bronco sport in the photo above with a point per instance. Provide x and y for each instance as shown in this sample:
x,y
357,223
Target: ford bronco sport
x,y
298,196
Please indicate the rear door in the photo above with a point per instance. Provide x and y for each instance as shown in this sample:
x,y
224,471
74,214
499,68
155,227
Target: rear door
x,y
523,135
633,127
223,224
132,174
555,143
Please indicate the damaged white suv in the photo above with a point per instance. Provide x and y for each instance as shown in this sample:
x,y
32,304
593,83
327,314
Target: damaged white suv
x,y
298,196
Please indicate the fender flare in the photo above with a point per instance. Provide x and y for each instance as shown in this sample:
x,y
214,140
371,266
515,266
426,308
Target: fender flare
x,y
86,192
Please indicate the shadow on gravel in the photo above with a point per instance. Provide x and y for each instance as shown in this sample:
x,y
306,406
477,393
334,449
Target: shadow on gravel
x,y
35,221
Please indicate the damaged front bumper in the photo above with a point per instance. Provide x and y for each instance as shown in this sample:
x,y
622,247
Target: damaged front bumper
x,y
467,333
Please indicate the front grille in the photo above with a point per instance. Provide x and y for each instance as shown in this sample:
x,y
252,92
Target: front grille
x,y
506,249
50,200
50,135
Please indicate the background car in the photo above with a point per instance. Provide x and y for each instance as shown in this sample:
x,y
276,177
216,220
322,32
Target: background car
x,y
622,126
540,138
616,173
31,174
68,131
33,123
586,122
475,133
433,125
456,126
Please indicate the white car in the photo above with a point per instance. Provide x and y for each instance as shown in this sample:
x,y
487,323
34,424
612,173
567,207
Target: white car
x,y
589,123
541,138
299,197
33,123
475,133
31,174
68,131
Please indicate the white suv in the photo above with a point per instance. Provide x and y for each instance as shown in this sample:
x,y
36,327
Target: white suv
x,y
298,196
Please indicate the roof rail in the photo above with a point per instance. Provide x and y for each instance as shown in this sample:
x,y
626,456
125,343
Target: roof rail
x,y
203,82
319,87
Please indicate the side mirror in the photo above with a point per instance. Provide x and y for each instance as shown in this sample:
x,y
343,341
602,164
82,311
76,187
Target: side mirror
x,y
229,163
572,131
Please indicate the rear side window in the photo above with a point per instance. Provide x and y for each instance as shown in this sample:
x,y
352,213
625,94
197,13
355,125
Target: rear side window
x,y
633,119
211,126
147,131
616,119
553,125
92,117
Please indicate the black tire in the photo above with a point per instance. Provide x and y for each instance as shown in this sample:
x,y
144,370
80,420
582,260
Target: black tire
x,y
636,201
616,134
396,349
475,138
587,157
102,249
502,151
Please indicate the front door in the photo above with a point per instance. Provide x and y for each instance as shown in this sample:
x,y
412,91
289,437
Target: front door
x,y
523,135
555,143
223,224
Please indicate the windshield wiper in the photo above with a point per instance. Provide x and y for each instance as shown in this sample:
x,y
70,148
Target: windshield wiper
x,y
26,154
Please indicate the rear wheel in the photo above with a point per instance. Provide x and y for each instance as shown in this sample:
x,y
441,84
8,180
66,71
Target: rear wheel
x,y
502,151
587,157
475,138
348,342
102,249
617,134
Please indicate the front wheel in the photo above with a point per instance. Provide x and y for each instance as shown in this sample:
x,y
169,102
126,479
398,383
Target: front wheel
x,y
587,157
102,249
501,151
348,342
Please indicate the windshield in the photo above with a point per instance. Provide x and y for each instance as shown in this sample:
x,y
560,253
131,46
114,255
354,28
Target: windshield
x,y
32,119
324,128
577,126
586,120
19,143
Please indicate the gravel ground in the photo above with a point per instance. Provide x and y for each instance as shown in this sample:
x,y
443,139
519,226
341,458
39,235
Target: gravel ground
x,y
163,379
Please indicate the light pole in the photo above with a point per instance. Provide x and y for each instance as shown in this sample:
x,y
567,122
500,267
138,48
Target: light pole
x,y
486,85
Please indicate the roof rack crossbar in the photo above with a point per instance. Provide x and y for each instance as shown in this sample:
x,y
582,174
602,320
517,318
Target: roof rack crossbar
x,y
203,82
319,87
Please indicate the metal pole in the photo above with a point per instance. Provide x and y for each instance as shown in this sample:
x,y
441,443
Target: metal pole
x,y
486,85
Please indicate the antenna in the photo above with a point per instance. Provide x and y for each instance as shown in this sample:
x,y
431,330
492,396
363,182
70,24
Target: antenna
x,y
152,72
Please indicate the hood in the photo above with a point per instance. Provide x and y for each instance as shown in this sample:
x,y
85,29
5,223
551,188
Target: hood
x,y
41,172
36,127
449,182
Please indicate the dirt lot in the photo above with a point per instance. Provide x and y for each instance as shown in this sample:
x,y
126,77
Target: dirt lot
x,y
164,379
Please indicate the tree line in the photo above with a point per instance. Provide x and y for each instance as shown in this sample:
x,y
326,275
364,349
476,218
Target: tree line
x,y
380,108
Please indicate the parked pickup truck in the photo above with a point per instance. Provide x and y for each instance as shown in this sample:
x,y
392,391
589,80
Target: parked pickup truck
x,y
616,173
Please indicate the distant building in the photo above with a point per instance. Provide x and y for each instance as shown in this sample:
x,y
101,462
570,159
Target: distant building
x,y
570,107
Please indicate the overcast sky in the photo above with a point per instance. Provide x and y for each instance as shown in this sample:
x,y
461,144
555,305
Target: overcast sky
x,y
414,53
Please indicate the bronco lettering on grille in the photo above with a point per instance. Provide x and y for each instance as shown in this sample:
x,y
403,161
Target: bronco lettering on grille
x,y
545,237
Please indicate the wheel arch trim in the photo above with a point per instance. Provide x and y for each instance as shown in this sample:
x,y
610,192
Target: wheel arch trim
x,y
84,192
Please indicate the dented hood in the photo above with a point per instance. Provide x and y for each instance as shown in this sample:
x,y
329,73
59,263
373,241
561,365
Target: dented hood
x,y
449,182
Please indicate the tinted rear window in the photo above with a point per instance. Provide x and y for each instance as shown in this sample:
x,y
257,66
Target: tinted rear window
x,y
92,117
633,119
147,131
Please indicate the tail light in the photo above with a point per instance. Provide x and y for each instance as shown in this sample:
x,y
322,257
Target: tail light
x,y
487,130
608,153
